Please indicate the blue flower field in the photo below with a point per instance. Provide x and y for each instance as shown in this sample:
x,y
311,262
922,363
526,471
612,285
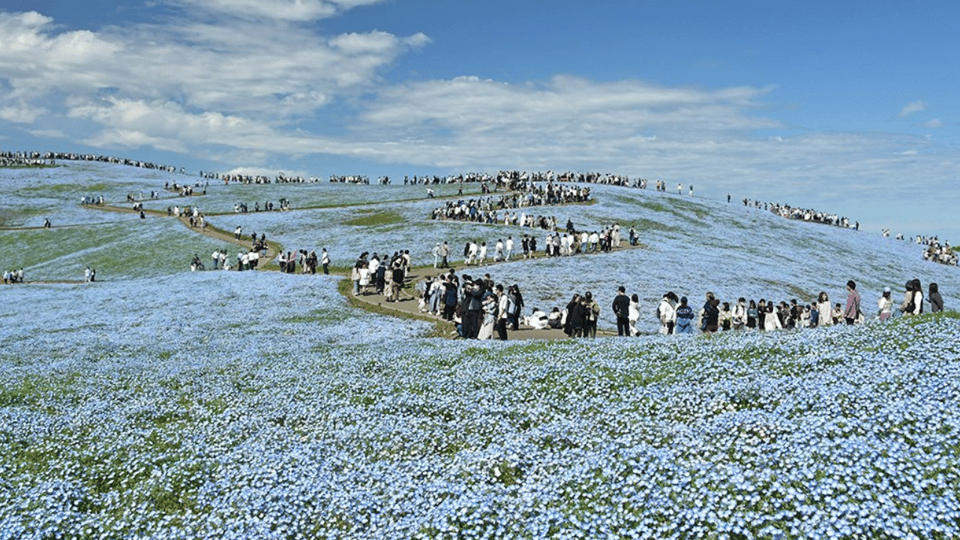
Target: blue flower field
x,y
162,403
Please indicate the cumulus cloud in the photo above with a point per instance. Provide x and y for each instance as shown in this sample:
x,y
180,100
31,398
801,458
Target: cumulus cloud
x,y
934,124
21,115
911,108
134,82
286,10
246,83
470,122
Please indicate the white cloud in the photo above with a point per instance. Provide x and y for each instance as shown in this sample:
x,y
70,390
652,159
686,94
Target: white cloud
x,y
261,70
20,115
469,122
286,10
48,133
934,124
911,108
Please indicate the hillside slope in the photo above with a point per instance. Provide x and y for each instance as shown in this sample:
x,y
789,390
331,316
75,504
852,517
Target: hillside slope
x,y
691,245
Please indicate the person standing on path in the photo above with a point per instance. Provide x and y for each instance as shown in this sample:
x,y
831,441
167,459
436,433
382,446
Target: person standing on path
x,y
325,261
621,308
504,307
444,253
852,313
591,316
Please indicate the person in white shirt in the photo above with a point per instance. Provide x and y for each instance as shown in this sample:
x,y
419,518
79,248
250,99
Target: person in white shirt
x,y
739,315
538,320
634,314
825,309
771,321
885,305
325,261
668,313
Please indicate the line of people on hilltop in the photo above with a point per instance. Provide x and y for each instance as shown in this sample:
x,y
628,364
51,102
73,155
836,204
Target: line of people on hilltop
x,y
15,161
184,190
17,158
258,178
243,208
800,214
486,209
556,244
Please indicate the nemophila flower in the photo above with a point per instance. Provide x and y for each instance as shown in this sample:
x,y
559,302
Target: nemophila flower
x,y
260,405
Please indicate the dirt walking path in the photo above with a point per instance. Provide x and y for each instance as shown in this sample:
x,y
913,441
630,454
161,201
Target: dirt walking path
x,y
408,305
410,296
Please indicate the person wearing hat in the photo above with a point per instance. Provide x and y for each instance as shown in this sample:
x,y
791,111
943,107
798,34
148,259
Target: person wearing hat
x,y
885,305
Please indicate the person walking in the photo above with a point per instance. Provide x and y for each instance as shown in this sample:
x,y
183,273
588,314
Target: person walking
x,y
444,253
504,307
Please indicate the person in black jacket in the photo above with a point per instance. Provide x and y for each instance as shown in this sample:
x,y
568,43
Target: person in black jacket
x,y
621,308
473,314
936,301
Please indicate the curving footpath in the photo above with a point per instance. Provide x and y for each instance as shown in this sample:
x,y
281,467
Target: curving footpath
x,y
408,306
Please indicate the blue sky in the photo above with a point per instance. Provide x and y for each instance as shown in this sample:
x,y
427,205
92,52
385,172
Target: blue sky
x,y
848,107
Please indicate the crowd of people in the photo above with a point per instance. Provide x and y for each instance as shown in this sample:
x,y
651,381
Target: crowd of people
x,y
486,209
676,316
25,158
479,308
281,178
13,276
386,276
243,208
940,253
801,214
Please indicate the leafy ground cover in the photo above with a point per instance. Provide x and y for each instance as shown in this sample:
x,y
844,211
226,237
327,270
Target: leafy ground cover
x,y
172,404
186,417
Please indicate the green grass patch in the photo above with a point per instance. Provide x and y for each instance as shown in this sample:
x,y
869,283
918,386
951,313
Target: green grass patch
x,y
642,225
19,217
375,219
